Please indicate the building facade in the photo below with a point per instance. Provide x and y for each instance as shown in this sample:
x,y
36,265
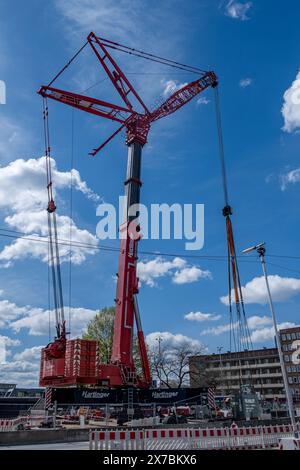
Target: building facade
x,y
290,344
259,368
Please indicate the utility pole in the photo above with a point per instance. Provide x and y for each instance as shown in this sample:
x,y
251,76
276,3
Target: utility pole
x,y
261,250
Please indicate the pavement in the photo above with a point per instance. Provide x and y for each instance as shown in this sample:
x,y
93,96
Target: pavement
x,y
53,446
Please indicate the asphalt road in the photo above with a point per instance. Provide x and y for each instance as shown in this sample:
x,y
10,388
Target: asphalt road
x,y
56,446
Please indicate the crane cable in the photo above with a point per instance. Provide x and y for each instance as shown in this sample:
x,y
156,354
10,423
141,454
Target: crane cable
x,y
54,260
239,332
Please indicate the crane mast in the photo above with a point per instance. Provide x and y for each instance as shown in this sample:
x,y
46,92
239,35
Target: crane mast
x,y
122,370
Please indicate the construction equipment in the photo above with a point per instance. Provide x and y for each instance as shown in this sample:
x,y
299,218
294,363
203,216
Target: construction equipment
x,y
240,338
121,370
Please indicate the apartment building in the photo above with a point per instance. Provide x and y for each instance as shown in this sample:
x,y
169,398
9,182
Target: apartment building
x,y
259,368
290,344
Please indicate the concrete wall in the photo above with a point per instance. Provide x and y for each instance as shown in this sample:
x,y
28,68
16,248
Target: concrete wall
x,y
41,436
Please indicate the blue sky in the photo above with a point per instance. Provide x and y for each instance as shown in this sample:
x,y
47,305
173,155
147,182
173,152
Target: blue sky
x,y
253,48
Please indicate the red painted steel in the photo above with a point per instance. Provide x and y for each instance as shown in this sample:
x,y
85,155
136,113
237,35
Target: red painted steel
x,y
121,370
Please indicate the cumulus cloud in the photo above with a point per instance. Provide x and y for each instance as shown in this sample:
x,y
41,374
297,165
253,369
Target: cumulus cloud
x,y
246,82
23,197
263,335
291,106
291,177
238,10
282,289
9,341
202,317
260,327
9,311
258,322
171,341
254,322
36,320
178,269
23,368
190,274
217,330
29,354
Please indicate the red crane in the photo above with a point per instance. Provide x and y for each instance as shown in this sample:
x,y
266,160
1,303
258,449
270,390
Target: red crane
x,y
121,370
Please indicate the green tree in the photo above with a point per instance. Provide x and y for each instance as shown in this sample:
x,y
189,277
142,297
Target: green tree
x,y
101,329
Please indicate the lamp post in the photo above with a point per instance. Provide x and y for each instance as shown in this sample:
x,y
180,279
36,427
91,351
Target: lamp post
x,y
219,349
261,250
159,362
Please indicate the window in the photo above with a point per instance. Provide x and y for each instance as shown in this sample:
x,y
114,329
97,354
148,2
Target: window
x,y
283,337
293,335
295,380
286,358
298,335
288,337
285,347
290,380
289,369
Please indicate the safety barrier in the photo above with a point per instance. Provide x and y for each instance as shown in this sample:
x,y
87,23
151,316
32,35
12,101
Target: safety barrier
x,y
289,443
12,424
261,437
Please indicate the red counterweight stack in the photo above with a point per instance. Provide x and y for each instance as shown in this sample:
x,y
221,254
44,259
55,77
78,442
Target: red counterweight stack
x,y
80,361
82,358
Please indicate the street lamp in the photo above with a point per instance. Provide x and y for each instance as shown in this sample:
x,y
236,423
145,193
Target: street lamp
x,y
219,349
261,250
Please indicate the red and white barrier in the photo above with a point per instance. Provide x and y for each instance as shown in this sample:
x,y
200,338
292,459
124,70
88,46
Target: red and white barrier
x,y
289,443
261,437
11,424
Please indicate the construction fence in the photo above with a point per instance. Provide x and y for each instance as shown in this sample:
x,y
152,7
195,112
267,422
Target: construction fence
x,y
246,438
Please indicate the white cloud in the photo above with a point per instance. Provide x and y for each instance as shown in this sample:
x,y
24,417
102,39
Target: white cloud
x,y
282,289
254,322
29,354
267,334
258,322
36,320
291,177
245,82
291,106
190,274
202,100
148,271
23,368
261,328
170,341
217,330
107,16
178,269
23,196
9,311
170,86
202,317
238,10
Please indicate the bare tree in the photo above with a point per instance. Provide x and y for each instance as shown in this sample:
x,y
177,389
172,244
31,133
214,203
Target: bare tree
x,y
170,365
200,374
